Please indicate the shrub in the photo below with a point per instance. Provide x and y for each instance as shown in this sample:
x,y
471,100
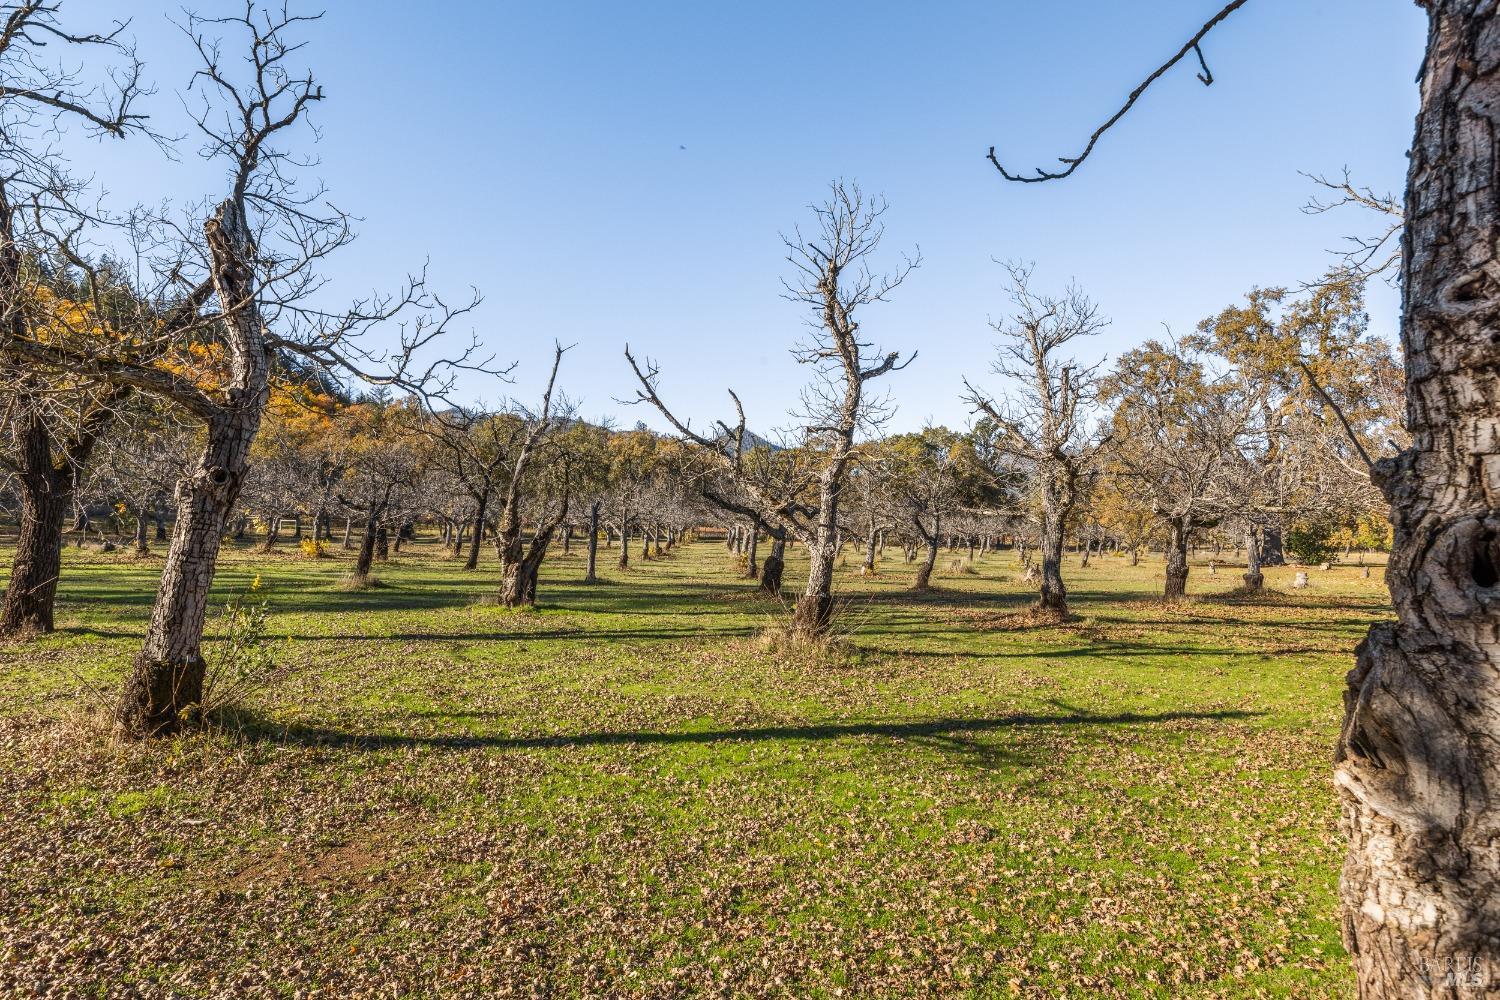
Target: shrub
x,y
313,548
243,664
1310,544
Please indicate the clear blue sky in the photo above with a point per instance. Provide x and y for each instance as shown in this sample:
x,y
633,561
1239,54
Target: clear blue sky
x,y
533,150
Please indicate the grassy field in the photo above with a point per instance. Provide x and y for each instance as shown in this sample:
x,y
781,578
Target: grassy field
x,y
635,790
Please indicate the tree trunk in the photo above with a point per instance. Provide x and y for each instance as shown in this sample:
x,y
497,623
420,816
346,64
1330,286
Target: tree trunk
x,y
752,569
141,537
924,571
531,563
382,544
1271,551
871,541
46,494
273,532
348,530
775,565
366,560
590,576
1053,595
1418,762
1255,580
167,675
476,538
625,541
1178,535
814,611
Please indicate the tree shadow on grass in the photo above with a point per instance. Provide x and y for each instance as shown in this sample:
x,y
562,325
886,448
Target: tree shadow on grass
x,y
951,734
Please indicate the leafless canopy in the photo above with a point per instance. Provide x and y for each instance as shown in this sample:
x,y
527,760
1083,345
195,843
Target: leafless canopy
x,y
1049,414
831,276
1365,256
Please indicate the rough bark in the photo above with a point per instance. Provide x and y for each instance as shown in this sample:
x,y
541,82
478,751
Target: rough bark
x,y
366,560
924,571
1053,593
814,612
142,545
775,565
1272,552
1178,534
1255,580
46,495
46,474
273,532
167,675
1418,762
531,563
752,567
476,538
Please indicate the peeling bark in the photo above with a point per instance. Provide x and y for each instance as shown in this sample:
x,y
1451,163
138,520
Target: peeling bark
x,y
1418,761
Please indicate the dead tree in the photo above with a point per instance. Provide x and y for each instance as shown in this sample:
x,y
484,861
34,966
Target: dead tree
x,y
508,531
831,278
1046,426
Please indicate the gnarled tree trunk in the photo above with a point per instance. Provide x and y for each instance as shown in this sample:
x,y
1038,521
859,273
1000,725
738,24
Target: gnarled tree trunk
x,y
1178,534
775,565
814,612
1418,763
1053,595
46,494
46,474
1255,580
924,571
167,675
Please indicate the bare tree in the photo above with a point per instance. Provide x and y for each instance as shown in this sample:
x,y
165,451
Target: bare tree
x,y
49,425
234,296
1046,427
831,277
1378,254
513,581
1418,762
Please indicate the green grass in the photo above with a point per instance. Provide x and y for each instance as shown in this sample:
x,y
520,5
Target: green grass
x,y
632,791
